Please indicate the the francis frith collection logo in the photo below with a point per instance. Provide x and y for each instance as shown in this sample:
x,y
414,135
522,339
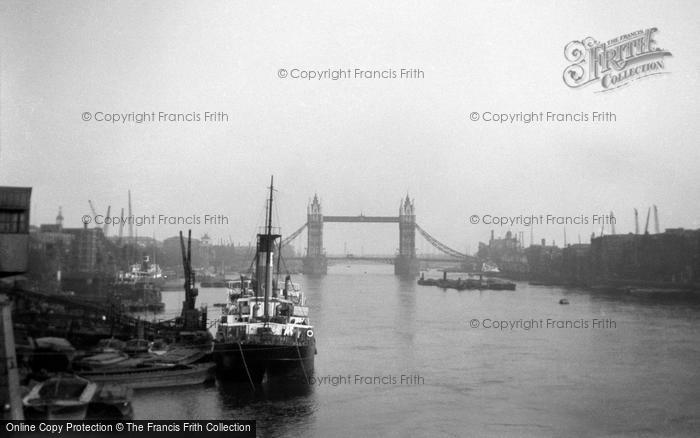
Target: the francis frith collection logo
x,y
616,62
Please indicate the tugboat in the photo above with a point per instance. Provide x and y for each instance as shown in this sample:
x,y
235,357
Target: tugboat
x,y
265,335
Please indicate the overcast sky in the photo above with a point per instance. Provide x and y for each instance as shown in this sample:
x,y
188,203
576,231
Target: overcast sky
x,y
360,144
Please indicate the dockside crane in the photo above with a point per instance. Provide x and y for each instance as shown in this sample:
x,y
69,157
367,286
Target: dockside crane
x,y
646,226
131,222
121,227
105,227
92,209
656,220
192,319
612,222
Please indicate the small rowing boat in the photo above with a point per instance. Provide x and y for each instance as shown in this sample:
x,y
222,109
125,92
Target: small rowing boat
x,y
60,398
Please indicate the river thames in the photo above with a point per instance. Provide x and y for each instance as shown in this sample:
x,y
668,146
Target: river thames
x,y
399,359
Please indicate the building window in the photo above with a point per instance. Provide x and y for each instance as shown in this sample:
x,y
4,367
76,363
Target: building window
x,y
13,221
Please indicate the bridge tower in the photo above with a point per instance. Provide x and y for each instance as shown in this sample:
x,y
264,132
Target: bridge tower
x,y
315,262
406,262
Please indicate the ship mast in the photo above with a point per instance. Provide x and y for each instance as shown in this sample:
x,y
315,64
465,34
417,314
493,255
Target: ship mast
x,y
268,251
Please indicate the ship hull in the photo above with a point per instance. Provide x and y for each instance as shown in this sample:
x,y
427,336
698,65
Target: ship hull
x,y
155,377
258,363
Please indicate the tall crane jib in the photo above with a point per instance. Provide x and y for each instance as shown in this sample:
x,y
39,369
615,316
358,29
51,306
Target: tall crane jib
x,y
105,227
190,290
657,229
131,222
121,227
93,212
92,208
192,318
612,223
646,226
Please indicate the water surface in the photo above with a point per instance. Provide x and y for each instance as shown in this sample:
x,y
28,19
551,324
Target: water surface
x,y
638,376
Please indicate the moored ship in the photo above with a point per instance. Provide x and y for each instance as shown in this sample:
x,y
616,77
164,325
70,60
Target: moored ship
x,y
140,288
265,334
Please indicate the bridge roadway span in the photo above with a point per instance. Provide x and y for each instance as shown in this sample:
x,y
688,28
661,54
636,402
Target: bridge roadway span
x,y
385,259
362,218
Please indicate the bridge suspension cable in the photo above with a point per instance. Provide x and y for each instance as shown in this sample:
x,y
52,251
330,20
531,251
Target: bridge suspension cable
x,y
439,245
293,236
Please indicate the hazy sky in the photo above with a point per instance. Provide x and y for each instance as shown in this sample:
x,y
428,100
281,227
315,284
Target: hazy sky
x,y
360,144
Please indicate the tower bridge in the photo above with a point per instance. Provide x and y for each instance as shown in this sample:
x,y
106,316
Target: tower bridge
x,y
405,262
